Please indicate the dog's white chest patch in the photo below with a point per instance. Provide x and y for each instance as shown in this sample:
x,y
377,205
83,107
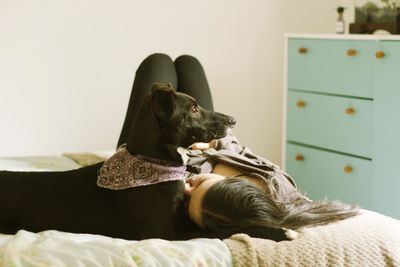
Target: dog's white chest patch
x,y
124,170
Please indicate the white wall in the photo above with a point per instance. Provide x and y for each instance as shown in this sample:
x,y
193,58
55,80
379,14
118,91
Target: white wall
x,y
314,16
67,66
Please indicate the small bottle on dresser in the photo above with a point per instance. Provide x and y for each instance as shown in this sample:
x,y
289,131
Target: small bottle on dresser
x,y
340,24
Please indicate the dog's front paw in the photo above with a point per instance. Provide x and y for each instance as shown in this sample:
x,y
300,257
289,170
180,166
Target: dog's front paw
x,y
291,234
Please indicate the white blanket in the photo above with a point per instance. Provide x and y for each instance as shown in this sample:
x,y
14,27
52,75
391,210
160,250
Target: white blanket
x,y
59,249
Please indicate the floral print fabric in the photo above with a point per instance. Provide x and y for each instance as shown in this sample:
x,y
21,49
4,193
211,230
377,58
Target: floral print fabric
x,y
124,170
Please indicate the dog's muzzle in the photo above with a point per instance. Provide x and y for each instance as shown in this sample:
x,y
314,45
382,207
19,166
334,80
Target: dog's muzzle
x,y
231,122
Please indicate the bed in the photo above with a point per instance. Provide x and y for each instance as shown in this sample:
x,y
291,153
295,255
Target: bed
x,y
370,239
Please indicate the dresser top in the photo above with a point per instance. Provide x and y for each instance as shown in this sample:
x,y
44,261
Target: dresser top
x,y
344,36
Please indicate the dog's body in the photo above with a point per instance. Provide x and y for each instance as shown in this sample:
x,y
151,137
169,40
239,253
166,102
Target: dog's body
x,y
71,201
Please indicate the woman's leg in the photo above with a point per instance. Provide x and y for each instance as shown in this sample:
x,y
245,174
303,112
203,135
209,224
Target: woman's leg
x,y
192,80
155,68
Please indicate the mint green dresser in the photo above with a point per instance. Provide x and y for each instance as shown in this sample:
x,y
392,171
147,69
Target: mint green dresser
x,y
343,118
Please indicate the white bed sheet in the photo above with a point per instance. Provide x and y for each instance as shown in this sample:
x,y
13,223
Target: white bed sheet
x,y
67,161
60,249
38,163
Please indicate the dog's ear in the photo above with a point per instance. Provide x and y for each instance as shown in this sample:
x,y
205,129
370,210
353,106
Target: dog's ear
x,y
163,100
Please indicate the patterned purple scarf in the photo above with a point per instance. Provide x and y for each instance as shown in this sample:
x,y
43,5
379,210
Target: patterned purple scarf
x,y
123,170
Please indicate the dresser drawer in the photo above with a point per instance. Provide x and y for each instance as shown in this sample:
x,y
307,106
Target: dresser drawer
x,y
325,174
343,67
331,122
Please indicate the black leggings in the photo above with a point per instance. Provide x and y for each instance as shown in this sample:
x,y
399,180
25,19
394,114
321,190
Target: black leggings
x,y
185,74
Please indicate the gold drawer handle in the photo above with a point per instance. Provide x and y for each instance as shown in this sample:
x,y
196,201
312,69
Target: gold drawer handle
x,y
300,104
348,169
299,157
351,52
380,54
302,50
350,111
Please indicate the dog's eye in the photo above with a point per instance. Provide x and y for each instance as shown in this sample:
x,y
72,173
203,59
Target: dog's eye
x,y
194,108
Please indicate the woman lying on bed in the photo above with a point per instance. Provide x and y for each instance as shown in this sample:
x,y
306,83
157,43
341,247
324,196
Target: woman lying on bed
x,y
236,190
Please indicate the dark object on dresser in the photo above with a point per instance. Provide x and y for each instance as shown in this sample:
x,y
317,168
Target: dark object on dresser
x,y
390,23
370,28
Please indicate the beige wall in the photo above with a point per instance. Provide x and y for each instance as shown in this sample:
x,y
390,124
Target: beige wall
x,y
67,67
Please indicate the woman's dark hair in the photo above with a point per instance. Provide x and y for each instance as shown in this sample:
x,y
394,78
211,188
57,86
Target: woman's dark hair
x,y
236,204
233,204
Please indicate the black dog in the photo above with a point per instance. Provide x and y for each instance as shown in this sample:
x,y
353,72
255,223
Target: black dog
x,y
71,201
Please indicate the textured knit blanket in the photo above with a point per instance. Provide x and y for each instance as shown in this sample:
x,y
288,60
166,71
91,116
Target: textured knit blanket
x,y
369,239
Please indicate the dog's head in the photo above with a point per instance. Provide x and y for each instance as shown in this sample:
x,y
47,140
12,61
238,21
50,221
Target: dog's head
x,y
182,121
169,119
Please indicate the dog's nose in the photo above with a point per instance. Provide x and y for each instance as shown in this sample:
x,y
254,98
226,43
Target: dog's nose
x,y
231,122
